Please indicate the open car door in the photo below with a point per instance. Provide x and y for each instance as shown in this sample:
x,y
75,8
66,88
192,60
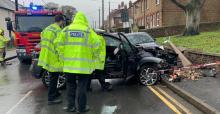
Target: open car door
x,y
114,57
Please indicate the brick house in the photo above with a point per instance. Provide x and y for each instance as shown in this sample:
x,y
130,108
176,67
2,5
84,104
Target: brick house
x,y
161,13
115,17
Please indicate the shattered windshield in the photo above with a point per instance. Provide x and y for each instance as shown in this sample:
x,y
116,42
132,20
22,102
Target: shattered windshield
x,y
139,38
33,23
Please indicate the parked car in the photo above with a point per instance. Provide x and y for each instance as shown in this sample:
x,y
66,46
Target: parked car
x,y
123,60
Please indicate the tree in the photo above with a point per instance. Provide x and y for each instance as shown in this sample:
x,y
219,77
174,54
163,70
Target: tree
x,y
52,6
192,11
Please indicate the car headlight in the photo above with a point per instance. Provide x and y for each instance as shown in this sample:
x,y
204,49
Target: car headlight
x,y
161,47
162,64
21,50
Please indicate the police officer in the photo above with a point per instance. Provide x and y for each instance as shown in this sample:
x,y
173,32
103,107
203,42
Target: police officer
x,y
100,64
3,42
78,45
49,58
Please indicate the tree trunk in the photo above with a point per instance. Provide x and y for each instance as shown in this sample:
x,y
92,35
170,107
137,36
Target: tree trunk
x,y
192,21
193,12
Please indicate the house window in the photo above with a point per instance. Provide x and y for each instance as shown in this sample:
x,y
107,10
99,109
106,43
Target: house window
x,y
147,22
157,2
154,20
158,19
142,8
151,21
146,4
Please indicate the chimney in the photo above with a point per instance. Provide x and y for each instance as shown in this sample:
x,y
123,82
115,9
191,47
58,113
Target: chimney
x,y
122,4
125,7
130,4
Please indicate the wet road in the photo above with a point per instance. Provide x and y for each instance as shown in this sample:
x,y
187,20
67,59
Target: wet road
x,y
20,93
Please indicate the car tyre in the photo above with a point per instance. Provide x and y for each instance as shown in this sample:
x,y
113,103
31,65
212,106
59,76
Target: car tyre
x,y
148,75
61,80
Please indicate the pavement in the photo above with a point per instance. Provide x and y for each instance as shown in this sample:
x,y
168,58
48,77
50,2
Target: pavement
x,y
20,93
207,89
11,53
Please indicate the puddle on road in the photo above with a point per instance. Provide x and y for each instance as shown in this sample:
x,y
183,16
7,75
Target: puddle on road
x,y
3,80
109,109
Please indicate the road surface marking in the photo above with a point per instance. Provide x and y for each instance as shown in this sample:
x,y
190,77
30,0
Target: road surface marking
x,y
174,101
19,102
170,105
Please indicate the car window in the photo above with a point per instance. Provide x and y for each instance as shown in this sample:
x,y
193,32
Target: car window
x,y
126,45
111,41
139,38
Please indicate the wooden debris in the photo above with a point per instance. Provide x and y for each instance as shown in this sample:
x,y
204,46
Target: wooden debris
x,y
183,59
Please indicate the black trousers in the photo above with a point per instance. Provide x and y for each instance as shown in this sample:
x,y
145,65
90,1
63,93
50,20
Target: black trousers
x,y
101,79
72,87
52,89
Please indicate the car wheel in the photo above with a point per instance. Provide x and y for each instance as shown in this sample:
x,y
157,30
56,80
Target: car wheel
x,y
61,84
148,75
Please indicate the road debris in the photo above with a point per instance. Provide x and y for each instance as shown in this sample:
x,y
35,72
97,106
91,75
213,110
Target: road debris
x,y
190,71
183,58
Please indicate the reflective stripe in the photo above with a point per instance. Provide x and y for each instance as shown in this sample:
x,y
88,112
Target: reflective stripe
x,y
78,59
78,69
48,48
47,40
53,30
76,44
49,67
96,45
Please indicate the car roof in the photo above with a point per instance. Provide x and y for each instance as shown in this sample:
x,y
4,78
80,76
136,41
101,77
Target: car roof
x,y
109,34
136,33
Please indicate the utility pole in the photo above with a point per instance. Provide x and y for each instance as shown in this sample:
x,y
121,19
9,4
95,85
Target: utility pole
x,y
99,17
109,17
144,13
16,5
133,12
103,11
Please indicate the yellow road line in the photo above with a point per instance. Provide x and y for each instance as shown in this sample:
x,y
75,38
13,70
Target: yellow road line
x,y
170,105
174,101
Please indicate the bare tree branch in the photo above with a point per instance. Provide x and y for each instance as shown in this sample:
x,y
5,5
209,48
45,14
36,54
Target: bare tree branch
x,y
179,5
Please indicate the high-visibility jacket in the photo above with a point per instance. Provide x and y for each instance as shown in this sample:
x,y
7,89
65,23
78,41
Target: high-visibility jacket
x,y
49,58
102,54
79,46
3,42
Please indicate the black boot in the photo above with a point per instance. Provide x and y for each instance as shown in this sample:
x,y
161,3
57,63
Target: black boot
x,y
69,109
87,109
107,87
56,101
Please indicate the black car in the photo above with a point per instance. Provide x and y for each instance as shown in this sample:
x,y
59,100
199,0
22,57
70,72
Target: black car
x,y
123,60
148,43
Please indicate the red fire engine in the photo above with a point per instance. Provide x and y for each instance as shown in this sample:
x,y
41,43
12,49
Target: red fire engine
x,y
29,23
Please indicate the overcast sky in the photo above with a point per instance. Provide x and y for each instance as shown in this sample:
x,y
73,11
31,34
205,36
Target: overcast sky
x,y
89,7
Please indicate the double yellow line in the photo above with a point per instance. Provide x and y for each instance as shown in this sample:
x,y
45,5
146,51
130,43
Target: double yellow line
x,y
167,102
